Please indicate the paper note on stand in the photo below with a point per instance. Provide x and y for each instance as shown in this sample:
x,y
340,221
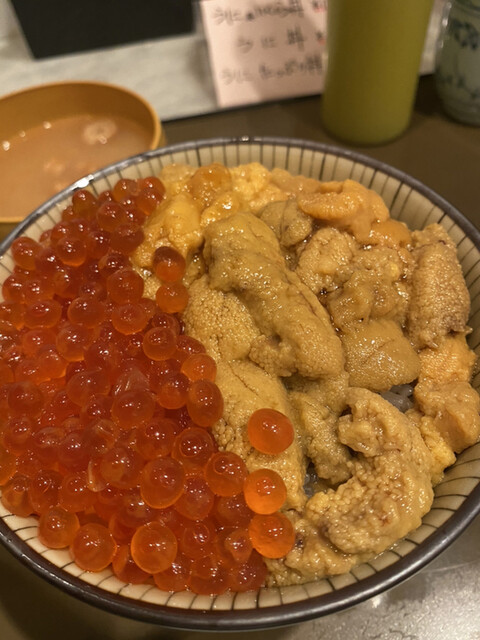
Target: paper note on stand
x,y
265,50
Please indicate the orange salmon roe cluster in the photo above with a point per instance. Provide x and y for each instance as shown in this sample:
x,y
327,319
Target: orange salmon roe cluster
x,y
107,406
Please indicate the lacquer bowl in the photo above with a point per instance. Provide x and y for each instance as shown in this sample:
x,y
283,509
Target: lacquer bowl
x,y
121,123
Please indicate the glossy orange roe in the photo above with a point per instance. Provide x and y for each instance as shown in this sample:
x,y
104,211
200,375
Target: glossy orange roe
x,y
162,482
270,431
107,408
7,465
153,547
93,547
168,264
57,528
176,577
125,567
225,473
199,366
272,535
264,491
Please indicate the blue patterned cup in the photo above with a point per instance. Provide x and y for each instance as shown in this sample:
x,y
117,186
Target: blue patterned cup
x,y
457,72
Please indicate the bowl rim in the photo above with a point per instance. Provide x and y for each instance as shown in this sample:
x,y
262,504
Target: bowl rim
x,y
250,619
38,88
269,616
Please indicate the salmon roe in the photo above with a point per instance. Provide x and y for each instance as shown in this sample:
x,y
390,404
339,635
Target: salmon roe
x,y
270,431
264,491
108,408
169,265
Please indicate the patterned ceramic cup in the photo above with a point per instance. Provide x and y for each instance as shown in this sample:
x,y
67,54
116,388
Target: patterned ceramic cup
x,y
457,70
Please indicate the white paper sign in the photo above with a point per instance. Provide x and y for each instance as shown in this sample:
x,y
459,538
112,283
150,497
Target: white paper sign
x,y
265,49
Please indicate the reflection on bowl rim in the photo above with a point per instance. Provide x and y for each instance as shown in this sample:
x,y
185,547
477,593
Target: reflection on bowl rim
x,y
157,134
311,607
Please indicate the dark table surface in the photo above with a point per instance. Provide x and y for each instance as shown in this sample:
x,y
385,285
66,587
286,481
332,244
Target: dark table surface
x,y
439,602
